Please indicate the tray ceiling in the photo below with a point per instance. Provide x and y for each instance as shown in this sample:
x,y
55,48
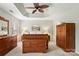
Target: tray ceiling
x,y
28,12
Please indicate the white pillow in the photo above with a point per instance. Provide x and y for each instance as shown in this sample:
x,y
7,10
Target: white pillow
x,y
35,32
46,33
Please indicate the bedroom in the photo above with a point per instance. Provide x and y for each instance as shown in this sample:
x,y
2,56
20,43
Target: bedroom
x,y
22,21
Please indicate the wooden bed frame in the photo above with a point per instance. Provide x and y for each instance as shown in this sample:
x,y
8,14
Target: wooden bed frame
x,y
35,42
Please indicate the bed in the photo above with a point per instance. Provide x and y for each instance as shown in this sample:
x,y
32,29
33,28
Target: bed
x,y
35,43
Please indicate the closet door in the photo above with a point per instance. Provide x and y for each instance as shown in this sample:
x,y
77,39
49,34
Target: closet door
x,y
63,35
70,42
58,38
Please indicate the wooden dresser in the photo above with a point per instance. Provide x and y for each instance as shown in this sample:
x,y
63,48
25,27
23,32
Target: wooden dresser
x,y
7,43
65,36
35,42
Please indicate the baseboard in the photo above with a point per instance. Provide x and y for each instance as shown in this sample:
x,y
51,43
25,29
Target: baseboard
x,y
77,52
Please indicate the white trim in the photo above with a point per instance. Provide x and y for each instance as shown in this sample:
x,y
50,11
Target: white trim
x,y
77,52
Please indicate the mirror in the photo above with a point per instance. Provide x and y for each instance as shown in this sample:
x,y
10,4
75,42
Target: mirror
x,y
4,26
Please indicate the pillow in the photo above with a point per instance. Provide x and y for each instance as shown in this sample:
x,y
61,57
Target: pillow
x,y
25,33
35,32
46,33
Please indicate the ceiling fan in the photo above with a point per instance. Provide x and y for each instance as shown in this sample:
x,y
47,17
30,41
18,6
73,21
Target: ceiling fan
x,y
38,7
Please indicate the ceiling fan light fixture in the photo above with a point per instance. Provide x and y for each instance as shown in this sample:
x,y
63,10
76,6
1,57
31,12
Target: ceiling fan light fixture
x,y
38,7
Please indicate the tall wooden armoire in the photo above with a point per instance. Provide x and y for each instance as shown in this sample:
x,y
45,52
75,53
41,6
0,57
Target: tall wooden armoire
x,y
65,36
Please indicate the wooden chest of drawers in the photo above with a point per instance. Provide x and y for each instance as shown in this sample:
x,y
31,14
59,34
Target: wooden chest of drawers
x,y
7,43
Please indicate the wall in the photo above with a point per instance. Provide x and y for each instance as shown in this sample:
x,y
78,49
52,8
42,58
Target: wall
x,y
42,23
13,22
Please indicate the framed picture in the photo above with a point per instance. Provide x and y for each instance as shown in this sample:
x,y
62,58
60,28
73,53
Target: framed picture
x,y
35,28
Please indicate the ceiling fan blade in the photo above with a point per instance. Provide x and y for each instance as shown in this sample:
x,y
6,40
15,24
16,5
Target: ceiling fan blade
x,y
34,11
30,7
43,6
40,10
36,4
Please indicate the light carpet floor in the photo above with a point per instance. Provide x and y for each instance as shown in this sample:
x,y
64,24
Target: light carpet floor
x,y
52,51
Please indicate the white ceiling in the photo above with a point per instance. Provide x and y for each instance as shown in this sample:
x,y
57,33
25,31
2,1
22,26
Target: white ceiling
x,y
9,6
56,10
